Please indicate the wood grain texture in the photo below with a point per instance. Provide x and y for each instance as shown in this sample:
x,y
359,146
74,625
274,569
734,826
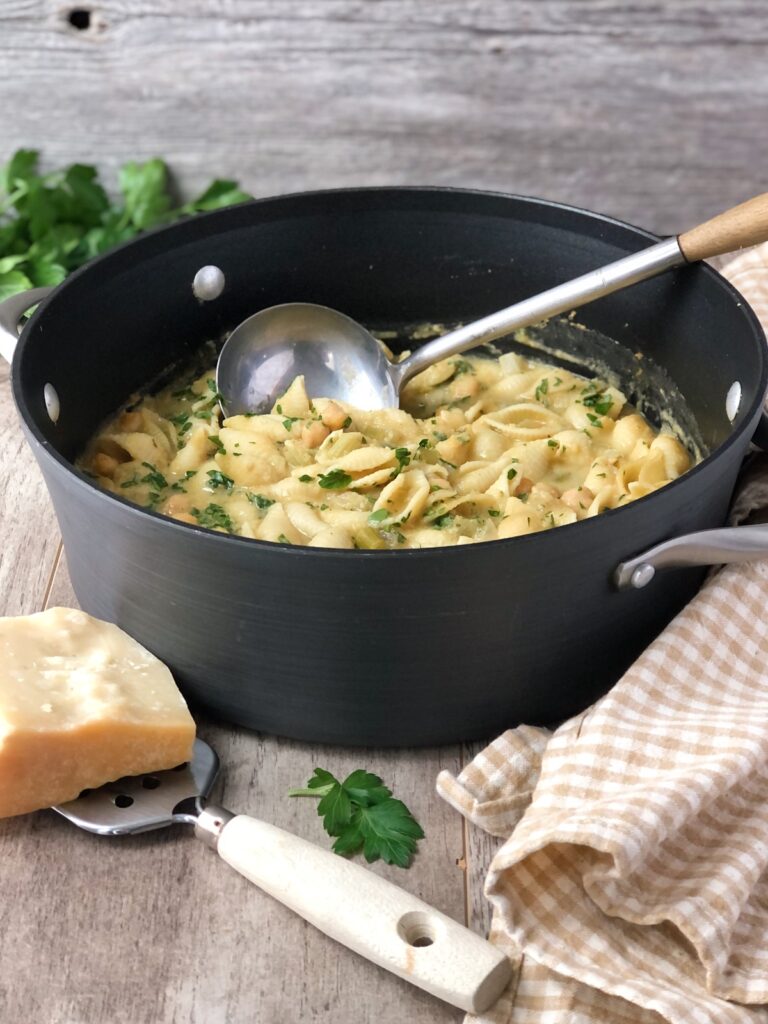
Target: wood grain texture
x,y
650,111
29,537
743,226
480,848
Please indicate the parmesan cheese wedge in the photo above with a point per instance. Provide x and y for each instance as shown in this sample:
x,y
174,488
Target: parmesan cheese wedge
x,y
81,704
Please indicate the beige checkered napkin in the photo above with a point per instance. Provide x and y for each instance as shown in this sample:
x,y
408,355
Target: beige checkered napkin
x,y
633,885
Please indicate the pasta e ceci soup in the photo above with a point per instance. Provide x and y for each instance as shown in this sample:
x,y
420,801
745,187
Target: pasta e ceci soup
x,y
482,449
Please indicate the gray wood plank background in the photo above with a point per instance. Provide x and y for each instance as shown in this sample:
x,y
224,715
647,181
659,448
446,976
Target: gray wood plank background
x,y
655,112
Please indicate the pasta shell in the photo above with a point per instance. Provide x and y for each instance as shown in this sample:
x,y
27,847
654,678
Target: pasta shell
x,y
332,537
140,447
276,525
257,460
338,444
294,401
525,421
676,458
405,498
304,518
272,427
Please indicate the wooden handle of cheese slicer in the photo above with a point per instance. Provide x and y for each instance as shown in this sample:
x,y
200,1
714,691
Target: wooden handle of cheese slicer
x,y
368,914
737,228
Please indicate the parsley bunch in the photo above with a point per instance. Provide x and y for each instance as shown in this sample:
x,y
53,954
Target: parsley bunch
x,y
361,814
51,224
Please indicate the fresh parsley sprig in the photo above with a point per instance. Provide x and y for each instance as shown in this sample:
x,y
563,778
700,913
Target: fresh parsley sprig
x,y
361,814
50,224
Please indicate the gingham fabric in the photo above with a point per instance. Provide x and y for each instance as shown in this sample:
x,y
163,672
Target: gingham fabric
x,y
633,885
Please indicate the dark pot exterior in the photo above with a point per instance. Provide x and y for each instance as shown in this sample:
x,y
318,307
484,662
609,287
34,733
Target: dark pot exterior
x,y
385,648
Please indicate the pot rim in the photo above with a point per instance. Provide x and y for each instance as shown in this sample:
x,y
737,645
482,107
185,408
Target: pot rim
x,y
748,419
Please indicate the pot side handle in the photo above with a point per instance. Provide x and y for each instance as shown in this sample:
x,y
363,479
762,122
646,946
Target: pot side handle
x,y
11,312
709,547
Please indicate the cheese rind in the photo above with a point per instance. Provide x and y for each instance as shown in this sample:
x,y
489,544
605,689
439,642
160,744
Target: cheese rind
x,y
81,704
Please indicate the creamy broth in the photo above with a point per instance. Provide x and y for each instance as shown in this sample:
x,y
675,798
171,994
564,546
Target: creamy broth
x,y
482,449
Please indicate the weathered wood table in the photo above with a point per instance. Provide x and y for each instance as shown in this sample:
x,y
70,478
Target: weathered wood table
x,y
155,929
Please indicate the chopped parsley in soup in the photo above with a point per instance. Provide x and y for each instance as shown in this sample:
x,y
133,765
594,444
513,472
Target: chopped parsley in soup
x,y
482,449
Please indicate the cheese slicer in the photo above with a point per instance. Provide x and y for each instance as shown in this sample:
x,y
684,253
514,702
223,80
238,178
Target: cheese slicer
x,y
358,908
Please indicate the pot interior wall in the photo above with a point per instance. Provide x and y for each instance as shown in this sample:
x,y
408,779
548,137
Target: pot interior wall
x,y
385,257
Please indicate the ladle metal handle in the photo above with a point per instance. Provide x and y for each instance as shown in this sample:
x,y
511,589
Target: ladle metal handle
x,y
11,312
736,228
570,295
708,547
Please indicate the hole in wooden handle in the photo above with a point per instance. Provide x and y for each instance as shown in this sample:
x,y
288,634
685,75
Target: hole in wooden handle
x,y
417,928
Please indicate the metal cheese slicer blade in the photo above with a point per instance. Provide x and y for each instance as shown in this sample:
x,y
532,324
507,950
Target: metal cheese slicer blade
x,y
356,907
140,803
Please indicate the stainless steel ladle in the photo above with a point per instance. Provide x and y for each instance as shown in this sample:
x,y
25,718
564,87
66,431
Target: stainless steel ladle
x,y
341,359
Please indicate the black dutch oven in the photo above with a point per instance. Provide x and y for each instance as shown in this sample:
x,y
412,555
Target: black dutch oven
x,y
409,647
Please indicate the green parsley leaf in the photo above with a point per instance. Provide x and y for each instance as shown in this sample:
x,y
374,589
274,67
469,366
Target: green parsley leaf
x,y
305,478
145,190
511,474
218,479
217,443
378,516
541,389
53,223
259,500
494,512
218,194
594,420
336,480
154,478
182,421
212,516
388,831
363,816
601,403
461,366
443,521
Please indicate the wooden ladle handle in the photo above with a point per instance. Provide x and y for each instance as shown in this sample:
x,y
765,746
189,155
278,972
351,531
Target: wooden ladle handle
x,y
737,228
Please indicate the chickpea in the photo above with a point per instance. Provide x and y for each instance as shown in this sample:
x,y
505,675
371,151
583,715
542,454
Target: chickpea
x,y
579,500
314,433
185,517
546,490
334,416
466,386
177,504
104,465
130,421
453,450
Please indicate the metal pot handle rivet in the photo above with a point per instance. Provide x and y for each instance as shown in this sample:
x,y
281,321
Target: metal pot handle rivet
x,y
208,283
733,401
52,403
